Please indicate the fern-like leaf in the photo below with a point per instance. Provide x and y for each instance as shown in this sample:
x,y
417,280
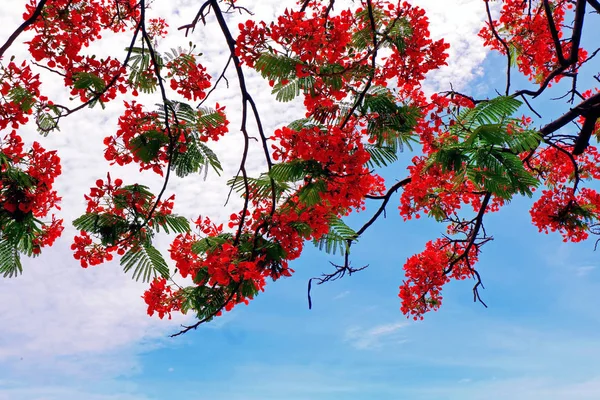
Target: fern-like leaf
x,y
146,262
10,260
337,238
276,67
172,223
381,156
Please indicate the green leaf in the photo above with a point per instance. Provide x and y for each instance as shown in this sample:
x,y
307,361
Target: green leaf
x,y
276,67
10,261
381,156
22,97
47,121
108,227
494,111
398,34
146,262
208,118
302,228
262,187
394,123
210,243
292,88
524,141
87,80
304,123
171,223
206,301
295,170
210,157
183,111
310,194
128,192
337,238
141,75
147,145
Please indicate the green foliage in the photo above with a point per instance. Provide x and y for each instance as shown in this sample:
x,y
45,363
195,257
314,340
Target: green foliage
x,y
381,156
304,123
337,238
46,121
276,67
206,301
302,228
397,34
22,97
16,175
363,38
310,194
296,170
273,251
331,74
308,170
147,145
207,117
282,70
391,33
198,156
486,153
262,187
292,88
394,124
92,84
135,191
17,237
108,227
210,243
89,81
146,262
494,111
10,261
171,223
140,74
179,52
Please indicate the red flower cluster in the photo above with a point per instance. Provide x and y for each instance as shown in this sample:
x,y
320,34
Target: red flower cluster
x,y
428,271
143,138
333,51
116,212
524,28
26,190
560,209
19,91
161,299
157,28
434,192
188,77
66,27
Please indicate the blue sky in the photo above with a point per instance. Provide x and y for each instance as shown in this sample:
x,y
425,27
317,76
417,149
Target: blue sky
x,y
68,333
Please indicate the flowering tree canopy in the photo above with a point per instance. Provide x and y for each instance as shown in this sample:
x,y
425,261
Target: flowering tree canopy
x,y
360,72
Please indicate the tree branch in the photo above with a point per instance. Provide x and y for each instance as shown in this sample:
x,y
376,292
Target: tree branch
x,y
36,13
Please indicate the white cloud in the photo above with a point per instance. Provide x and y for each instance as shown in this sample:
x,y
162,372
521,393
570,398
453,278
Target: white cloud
x,y
516,389
62,393
457,22
341,295
375,337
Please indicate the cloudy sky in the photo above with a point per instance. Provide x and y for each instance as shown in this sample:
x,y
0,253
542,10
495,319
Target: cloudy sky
x,y
69,334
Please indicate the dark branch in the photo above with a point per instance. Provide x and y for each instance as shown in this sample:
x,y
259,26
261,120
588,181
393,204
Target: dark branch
x,y
36,13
